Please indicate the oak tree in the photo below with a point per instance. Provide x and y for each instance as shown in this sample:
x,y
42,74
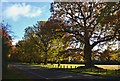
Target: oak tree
x,y
90,23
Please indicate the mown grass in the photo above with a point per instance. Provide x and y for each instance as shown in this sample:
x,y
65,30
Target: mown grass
x,y
56,65
109,67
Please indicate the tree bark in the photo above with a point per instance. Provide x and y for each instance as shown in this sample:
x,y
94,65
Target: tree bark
x,y
45,61
87,56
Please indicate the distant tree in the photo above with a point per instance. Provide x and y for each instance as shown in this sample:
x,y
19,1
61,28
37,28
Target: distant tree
x,y
47,41
91,23
111,55
105,56
19,54
31,38
46,32
59,44
115,55
27,50
13,52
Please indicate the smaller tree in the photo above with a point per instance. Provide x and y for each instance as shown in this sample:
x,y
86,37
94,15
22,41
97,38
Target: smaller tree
x,y
105,56
46,33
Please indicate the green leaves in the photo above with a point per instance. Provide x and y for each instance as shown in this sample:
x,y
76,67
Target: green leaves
x,y
41,43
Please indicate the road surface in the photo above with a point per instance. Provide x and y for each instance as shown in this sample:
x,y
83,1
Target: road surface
x,y
35,72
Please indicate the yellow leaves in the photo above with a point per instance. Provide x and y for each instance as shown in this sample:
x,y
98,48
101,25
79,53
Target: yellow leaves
x,y
9,55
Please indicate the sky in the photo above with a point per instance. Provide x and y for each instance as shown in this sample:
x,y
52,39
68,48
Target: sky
x,y
20,15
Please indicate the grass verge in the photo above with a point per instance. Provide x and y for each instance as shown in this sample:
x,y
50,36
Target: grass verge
x,y
99,72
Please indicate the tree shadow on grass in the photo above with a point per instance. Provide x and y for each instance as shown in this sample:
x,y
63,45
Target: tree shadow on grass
x,y
94,67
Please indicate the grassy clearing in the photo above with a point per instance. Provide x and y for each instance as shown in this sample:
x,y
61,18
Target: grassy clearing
x,y
56,65
109,67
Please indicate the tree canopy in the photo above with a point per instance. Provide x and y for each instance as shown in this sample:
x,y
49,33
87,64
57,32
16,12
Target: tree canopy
x,y
91,23
6,45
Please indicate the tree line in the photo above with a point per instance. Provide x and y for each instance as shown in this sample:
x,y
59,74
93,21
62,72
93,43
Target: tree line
x,y
78,29
6,45
41,43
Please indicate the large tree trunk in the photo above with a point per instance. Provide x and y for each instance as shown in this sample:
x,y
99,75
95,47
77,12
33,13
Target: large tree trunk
x,y
87,56
45,61
5,50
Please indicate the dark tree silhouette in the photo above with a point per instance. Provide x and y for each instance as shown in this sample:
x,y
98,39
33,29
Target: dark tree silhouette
x,y
90,23
6,45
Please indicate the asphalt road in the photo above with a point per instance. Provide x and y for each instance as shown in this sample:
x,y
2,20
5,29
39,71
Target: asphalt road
x,y
35,72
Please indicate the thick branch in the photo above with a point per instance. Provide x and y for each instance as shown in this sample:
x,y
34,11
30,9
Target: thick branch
x,y
106,38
